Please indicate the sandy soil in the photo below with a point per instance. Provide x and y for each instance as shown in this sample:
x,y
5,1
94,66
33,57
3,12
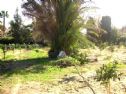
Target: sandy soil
x,y
69,84
73,83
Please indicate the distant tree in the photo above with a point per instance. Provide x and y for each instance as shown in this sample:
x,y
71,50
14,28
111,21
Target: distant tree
x,y
59,22
122,35
4,14
1,26
27,34
1,29
16,27
94,31
114,35
18,31
106,25
123,31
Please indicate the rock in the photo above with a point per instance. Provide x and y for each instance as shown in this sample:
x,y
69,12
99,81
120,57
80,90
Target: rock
x,y
61,54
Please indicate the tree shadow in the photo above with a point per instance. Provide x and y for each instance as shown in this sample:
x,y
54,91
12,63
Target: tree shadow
x,y
67,79
37,65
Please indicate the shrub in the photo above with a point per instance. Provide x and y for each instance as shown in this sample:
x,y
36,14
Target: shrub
x,y
103,45
6,40
106,73
29,47
66,61
18,46
82,57
36,45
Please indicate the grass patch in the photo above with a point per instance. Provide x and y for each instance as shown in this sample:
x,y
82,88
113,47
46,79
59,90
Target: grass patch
x,y
31,65
21,54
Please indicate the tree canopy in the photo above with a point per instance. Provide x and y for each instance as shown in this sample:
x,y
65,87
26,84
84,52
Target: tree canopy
x,y
59,21
20,33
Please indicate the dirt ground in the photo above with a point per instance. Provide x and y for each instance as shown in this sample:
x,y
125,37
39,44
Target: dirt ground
x,y
69,84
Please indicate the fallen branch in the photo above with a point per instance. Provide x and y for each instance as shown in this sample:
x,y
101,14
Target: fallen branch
x,y
84,80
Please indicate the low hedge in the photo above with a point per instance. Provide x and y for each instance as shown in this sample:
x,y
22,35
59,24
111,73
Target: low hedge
x,y
6,40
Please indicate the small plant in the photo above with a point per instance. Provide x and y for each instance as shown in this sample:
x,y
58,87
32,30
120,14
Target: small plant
x,y
106,73
29,47
82,57
66,62
103,45
36,46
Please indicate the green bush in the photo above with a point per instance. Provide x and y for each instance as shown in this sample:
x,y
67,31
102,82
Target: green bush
x,y
81,57
6,40
121,40
18,46
1,46
29,47
103,45
66,62
106,73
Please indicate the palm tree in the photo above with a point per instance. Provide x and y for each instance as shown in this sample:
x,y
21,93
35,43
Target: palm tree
x,y
58,21
4,14
94,31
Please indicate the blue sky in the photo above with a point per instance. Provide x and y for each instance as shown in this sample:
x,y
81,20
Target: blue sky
x,y
113,8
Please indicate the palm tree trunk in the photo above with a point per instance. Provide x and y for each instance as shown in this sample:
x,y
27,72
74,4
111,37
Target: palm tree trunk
x,y
3,25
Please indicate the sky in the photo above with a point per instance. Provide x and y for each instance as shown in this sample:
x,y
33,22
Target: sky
x,y
11,6
116,9
113,8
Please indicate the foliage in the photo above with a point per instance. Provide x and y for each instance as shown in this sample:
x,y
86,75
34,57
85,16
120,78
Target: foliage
x,y
81,57
107,72
121,40
66,62
24,46
75,58
106,25
84,42
20,33
7,48
54,20
3,14
103,45
114,35
27,34
100,32
1,26
111,34
6,40
1,29
94,31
